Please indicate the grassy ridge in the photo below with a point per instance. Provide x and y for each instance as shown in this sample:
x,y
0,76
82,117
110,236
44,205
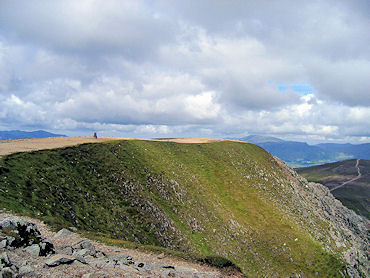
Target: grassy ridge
x,y
213,199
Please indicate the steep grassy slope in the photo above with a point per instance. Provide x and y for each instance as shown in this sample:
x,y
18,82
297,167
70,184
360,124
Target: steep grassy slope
x,y
229,199
356,193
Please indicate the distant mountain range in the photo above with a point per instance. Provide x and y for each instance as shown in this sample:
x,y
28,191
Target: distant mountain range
x,y
299,154
20,134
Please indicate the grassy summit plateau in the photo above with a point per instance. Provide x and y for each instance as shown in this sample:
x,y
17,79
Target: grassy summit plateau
x,y
228,199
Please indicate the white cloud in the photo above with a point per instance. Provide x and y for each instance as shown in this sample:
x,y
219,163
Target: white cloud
x,y
186,68
202,106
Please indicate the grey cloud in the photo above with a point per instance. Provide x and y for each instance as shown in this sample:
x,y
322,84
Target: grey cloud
x,y
343,81
185,68
256,96
129,28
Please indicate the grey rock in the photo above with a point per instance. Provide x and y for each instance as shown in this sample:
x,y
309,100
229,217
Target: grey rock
x,y
84,244
26,269
123,259
81,259
74,229
22,226
9,223
7,272
10,241
46,247
63,233
58,259
4,260
100,254
123,267
103,262
77,262
3,243
65,249
26,234
95,275
34,249
83,253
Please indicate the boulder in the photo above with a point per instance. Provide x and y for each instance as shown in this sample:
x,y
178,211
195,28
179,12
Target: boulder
x,y
84,244
9,223
21,233
58,259
80,259
65,249
82,253
63,233
34,249
84,248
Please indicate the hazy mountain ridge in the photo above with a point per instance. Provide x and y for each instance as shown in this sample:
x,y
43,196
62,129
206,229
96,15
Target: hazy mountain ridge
x,y
20,134
300,154
221,199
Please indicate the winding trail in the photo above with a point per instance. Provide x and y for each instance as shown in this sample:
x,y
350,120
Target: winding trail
x,y
356,178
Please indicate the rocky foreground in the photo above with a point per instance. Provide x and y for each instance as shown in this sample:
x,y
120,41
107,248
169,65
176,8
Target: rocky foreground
x,y
30,250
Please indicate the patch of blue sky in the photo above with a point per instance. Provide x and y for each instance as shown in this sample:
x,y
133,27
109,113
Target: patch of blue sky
x,y
301,88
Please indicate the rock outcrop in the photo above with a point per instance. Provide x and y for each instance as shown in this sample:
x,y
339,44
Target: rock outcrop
x,y
348,231
26,253
16,233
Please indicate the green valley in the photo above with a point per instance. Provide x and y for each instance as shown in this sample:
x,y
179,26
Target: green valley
x,y
344,181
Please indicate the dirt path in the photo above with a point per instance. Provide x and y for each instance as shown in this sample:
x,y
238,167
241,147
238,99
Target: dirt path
x,y
144,264
34,144
351,180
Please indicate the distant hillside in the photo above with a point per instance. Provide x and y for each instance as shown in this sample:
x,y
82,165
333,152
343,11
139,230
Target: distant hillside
x,y
357,151
257,139
223,200
300,154
344,181
19,134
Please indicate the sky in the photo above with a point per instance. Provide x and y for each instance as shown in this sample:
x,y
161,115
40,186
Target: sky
x,y
297,70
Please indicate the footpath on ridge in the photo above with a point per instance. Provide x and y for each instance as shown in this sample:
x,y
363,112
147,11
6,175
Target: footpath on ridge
x,y
34,144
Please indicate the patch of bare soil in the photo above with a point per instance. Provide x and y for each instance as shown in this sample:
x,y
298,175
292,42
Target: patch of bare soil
x,y
34,144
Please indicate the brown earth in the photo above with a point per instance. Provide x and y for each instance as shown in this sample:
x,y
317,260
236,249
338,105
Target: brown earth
x,y
33,144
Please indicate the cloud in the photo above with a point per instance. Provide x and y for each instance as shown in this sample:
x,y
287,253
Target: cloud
x,y
346,82
186,68
129,28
